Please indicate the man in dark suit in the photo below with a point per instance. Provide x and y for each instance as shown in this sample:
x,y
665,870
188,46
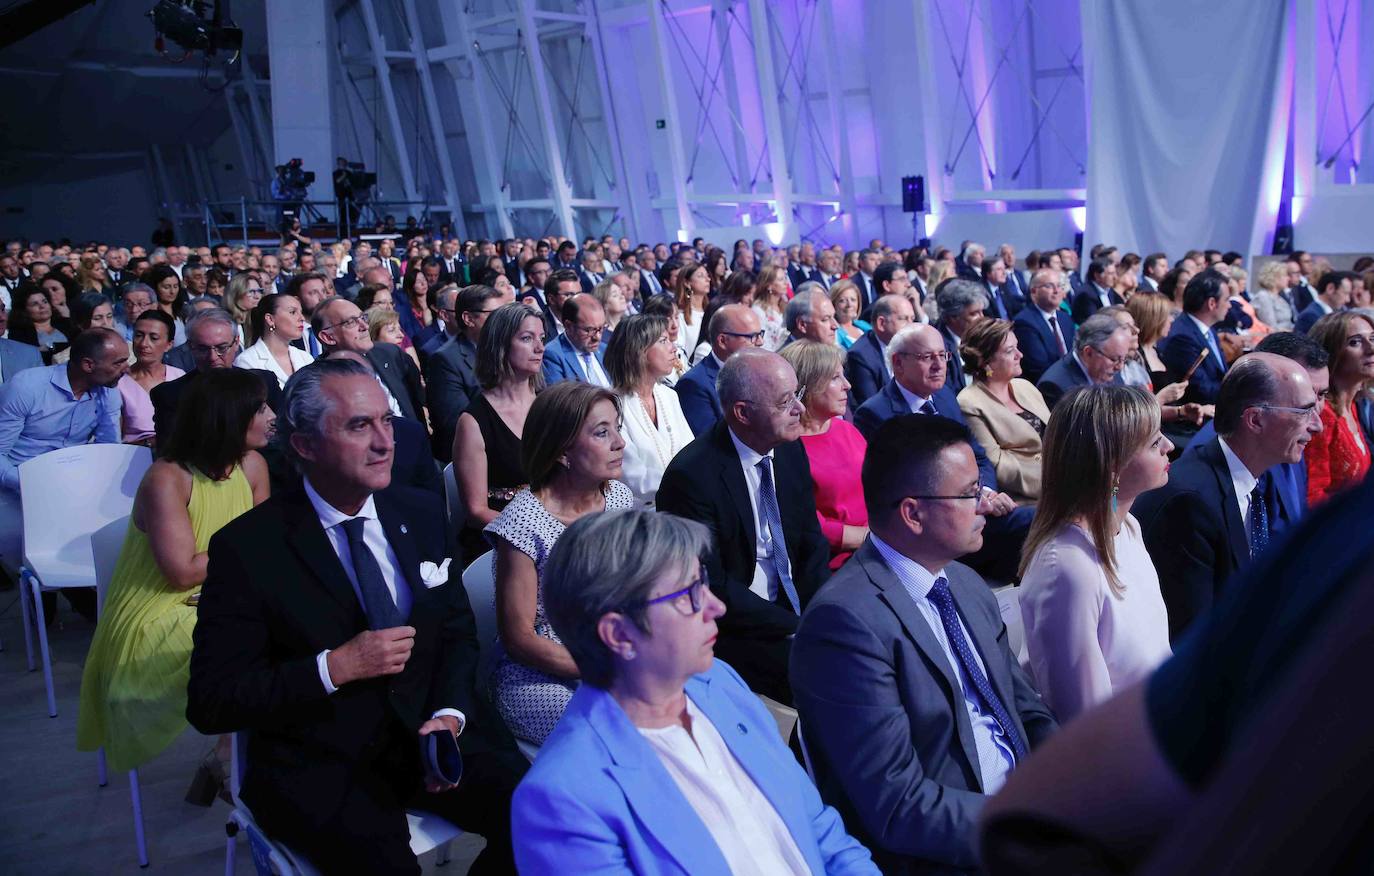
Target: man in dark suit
x,y
1099,352
1097,293
213,342
340,325
1044,332
962,304
918,386
578,353
732,328
649,284
747,479
1068,261
452,266
451,373
869,260
1204,305
804,269
561,285
969,263
866,365
1223,503
913,706
319,635
1333,289
510,259
1003,302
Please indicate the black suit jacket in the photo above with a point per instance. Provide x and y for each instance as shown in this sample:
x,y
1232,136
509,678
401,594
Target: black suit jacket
x,y
451,381
167,398
275,596
705,482
550,327
1195,534
1180,349
1087,302
954,375
401,377
1038,348
865,368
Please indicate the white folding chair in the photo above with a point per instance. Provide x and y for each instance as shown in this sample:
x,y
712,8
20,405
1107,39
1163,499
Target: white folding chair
x,y
106,543
1009,603
479,580
428,832
453,500
67,495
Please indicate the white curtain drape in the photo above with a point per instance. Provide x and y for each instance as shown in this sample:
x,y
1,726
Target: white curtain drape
x,y
1187,104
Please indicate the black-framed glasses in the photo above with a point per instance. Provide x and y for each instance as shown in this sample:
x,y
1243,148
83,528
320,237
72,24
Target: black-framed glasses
x,y
692,591
756,337
359,320
220,350
927,357
976,494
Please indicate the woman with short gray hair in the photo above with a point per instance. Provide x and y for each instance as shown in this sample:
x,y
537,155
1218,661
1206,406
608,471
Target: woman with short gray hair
x,y
664,760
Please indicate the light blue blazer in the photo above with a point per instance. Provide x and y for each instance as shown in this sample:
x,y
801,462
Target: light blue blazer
x,y
598,800
561,361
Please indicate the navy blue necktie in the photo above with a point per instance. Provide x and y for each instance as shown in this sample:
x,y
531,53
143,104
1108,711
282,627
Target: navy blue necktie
x,y
954,631
378,603
772,519
928,408
1259,518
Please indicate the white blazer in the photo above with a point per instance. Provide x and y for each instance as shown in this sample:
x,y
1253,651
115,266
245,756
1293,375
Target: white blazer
x,y
649,449
258,356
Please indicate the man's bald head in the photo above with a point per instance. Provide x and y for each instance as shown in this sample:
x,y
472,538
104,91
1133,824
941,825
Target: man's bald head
x,y
732,328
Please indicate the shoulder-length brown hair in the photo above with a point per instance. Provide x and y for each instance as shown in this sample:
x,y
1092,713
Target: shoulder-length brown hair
x,y
552,425
211,428
1094,432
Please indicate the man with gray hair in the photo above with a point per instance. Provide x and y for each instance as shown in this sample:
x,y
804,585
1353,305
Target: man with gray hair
x,y
1223,505
969,264
962,304
748,480
1099,352
332,628
810,315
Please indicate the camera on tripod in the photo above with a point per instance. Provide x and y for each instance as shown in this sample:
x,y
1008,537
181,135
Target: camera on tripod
x,y
296,179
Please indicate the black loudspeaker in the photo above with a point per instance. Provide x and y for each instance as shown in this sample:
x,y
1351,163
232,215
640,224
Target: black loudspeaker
x,y
1283,240
913,194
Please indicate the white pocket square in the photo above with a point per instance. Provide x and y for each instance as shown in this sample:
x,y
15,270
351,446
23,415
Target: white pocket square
x,y
433,575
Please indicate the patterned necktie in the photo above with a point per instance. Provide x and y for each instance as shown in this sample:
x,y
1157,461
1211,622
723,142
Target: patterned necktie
x,y
949,617
928,408
1259,519
772,519
381,609
592,377
1058,335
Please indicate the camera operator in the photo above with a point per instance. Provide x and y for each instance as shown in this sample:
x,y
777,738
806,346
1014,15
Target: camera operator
x,y
344,196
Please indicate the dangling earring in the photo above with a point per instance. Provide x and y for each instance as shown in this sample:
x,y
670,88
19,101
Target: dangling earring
x,y
1116,487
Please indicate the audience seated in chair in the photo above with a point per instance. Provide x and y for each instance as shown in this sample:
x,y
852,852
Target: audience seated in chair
x,y
133,689
1204,304
451,371
1100,348
664,760
341,325
573,460
1094,618
153,332
318,635
578,353
911,704
1339,457
733,327
866,365
638,358
747,479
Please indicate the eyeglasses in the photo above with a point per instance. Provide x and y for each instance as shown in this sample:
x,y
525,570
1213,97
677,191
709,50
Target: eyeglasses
x,y
785,406
927,358
359,320
253,291
1117,361
692,591
975,494
220,350
755,337
590,329
1312,411
480,311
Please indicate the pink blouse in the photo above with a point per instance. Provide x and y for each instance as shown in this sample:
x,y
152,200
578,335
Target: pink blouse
x,y
837,458
136,415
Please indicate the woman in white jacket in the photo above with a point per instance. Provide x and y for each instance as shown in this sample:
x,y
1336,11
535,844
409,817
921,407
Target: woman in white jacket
x,y
277,321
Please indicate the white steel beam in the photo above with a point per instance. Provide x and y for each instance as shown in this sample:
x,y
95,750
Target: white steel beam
x,y
839,120
436,122
677,159
613,133
258,115
772,115
562,193
382,69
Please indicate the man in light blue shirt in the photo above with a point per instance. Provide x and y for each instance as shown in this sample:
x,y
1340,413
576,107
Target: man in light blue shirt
x,y
45,409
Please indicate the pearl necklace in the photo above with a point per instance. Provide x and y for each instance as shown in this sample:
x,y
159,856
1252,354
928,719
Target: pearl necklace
x,y
653,431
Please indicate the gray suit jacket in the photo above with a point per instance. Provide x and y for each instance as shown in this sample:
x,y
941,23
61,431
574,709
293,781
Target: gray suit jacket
x,y
16,357
883,713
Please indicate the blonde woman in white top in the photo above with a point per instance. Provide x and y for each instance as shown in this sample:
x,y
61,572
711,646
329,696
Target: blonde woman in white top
x,y
1095,620
277,321
638,358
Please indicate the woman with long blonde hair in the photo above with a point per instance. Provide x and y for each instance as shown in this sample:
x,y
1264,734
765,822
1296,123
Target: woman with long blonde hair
x,y
770,302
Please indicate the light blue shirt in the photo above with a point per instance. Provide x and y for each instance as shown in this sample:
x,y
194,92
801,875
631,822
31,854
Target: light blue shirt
x,y
38,413
995,757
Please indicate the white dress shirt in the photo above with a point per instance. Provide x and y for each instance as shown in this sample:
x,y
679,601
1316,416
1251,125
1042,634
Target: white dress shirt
x,y
596,375
995,757
750,834
374,536
259,356
913,401
766,580
1242,481
649,447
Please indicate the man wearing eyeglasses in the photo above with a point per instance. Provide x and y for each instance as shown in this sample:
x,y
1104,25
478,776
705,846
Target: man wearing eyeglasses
x,y
1224,503
1099,353
577,353
451,372
748,480
914,708
339,324
733,327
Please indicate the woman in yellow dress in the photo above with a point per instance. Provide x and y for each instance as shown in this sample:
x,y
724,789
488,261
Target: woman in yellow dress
x,y
133,690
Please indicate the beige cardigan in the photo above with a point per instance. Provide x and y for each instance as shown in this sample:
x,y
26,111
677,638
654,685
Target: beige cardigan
x,y
1011,444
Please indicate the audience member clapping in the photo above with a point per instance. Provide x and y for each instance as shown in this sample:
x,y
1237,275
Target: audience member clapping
x,y
572,456
1090,599
153,331
133,691
1339,456
664,760
638,358
834,448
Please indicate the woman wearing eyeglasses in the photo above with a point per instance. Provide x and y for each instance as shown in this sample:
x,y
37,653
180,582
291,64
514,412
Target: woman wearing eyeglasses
x,y
1095,619
664,762
572,453
638,358
1339,456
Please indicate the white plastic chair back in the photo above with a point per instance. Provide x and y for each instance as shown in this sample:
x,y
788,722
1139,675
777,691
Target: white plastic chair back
x,y
479,580
453,500
67,495
106,544
1009,602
